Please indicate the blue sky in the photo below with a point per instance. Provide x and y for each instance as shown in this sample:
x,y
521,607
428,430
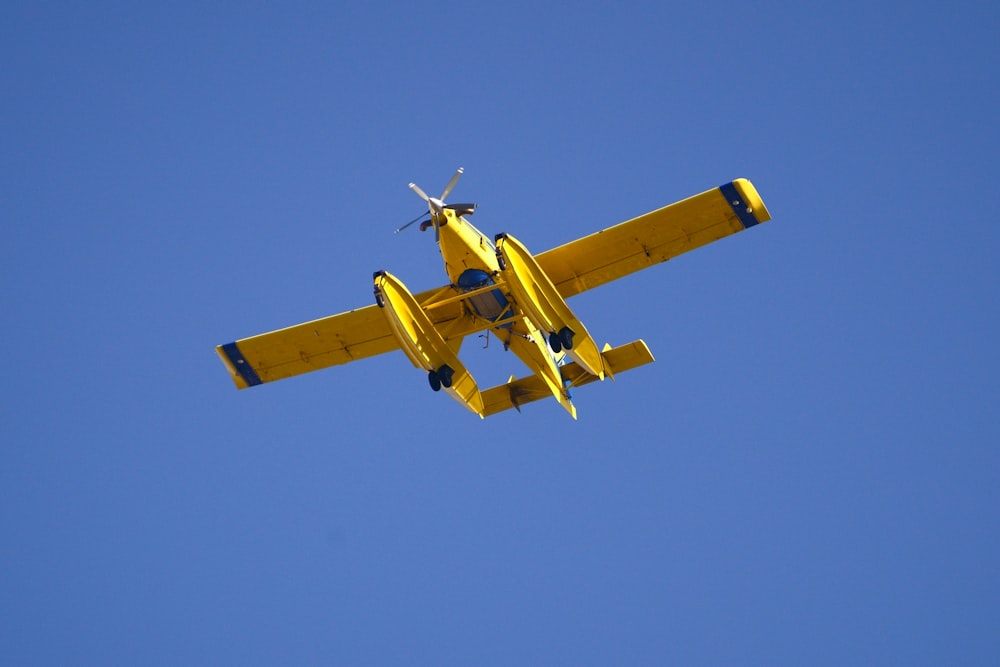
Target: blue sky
x,y
808,474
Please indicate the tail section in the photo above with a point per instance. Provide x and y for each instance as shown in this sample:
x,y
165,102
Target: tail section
x,y
534,352
516,393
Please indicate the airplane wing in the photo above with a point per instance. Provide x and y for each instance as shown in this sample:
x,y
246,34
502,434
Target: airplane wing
x,y
337,339
653,238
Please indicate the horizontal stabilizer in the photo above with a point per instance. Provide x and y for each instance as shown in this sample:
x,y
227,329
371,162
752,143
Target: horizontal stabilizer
x,y
516,393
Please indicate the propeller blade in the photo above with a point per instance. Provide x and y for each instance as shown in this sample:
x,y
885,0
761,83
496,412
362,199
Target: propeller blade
x,y
422,215
451,184
436,206
420,193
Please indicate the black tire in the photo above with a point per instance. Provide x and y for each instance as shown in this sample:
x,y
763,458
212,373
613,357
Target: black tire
x,y
445,374
555,343
566,338
434,380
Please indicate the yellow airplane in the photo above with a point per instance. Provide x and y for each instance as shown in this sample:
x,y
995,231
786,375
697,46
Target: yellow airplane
x,y
499,286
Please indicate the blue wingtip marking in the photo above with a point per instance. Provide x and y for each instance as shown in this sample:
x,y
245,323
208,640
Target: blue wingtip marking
x,y
241,365
739,206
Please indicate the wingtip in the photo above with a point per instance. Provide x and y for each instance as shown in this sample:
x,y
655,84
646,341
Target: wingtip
x,y
239,368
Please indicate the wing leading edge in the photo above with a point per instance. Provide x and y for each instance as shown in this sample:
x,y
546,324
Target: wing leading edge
x,y
652,238
329,341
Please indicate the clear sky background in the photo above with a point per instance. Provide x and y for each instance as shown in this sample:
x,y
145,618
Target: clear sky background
x,y
808,474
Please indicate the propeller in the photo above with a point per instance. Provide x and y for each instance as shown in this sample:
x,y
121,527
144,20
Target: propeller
x,y
436,205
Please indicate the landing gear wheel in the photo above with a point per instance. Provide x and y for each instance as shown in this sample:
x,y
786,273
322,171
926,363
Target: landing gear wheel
x,y
555,343
566,337
435,380
445,374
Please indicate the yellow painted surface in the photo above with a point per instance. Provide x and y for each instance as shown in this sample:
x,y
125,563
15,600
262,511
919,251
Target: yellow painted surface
x,y
328,341
652,238
464,247
418,337
534,292
534,352
531,388
752,197
429,326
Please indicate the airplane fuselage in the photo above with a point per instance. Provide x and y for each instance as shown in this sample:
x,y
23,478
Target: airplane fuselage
x,y
473,264
464,248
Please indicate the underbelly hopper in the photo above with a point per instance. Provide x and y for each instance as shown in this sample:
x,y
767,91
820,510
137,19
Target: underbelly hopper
x,y
423,344
535,294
